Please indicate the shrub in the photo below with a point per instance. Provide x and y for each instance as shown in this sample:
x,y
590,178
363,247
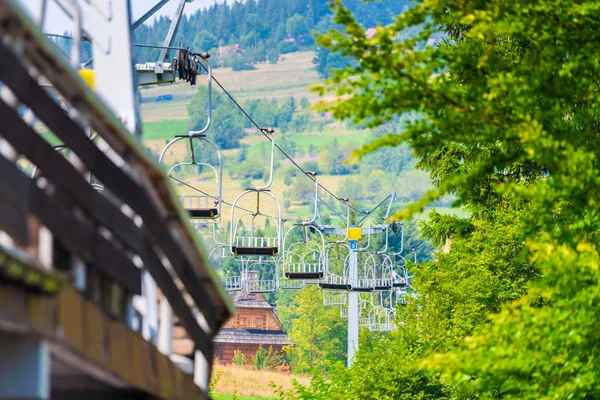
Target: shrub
x,y
266,359
239,358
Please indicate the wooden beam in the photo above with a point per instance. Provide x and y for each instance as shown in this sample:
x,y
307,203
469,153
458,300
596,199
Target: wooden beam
x,y
124,186
13,220
71,182
79,236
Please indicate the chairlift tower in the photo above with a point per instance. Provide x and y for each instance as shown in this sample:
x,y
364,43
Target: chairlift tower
x,y
353,235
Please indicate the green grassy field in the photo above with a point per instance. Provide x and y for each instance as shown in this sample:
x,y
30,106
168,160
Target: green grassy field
x,y
292,75
218,396
161,130
321,141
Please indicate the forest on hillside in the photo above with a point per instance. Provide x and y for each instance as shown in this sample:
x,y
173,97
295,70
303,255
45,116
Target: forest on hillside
x,y
263,29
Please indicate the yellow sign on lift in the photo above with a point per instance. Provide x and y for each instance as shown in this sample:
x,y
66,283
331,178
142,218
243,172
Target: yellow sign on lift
x,y
89,76
354,233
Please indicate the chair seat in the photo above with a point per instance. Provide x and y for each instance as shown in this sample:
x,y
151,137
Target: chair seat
x,y
261,291
382,288
362,290
203,213
334,286
304,275
254,251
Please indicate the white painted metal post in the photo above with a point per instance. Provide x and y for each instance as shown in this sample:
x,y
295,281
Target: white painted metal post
x,y
353,311
201,370
150,317
165,327
201,364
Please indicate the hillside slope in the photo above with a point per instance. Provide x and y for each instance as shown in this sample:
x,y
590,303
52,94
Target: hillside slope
x,y
291,76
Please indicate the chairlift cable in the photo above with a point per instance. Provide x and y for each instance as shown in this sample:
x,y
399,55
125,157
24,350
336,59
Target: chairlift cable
x,y
206,194
260,129
265,134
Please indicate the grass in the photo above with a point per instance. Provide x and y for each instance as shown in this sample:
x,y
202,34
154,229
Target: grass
x,y
226,396
162,130
321,141
250,384
290,76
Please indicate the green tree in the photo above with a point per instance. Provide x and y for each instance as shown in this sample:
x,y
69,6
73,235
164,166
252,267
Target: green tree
x,y
303,103
507,120
227,124
204,41
303,190
317,330
334,159
297,27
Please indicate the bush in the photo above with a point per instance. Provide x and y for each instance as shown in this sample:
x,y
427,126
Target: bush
x,y
239,358
287,47
266,359
311,166
252,168
237,62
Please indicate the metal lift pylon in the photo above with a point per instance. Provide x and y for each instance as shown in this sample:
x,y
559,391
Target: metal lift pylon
x,y
354,297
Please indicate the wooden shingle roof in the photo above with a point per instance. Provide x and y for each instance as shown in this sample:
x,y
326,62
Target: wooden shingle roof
x,y
248,300
252,336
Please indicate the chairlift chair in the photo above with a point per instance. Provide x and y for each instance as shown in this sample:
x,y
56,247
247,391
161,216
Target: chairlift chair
x,y
289,284
379,265
380,268
231,280
337,264
244,244
334,298
254,275
367,313
400,276
344,311
385,320
304,259
205,203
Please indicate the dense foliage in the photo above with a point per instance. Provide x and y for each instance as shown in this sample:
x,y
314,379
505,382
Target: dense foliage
x,y
318,331
507,112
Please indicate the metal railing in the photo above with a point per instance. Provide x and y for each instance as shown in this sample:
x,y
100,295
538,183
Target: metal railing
x,y
261,286
331,298
193,202
232,283
256,242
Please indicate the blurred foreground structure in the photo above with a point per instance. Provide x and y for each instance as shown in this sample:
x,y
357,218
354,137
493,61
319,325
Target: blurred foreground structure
x,y
98,263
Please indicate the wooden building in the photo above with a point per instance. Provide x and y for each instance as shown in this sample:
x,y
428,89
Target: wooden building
x,y
254,324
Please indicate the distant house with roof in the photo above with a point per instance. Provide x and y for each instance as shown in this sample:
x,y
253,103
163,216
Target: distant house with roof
x,y
255,324
233,49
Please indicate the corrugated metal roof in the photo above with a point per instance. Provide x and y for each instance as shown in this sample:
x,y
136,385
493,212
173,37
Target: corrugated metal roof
x,y
252,336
